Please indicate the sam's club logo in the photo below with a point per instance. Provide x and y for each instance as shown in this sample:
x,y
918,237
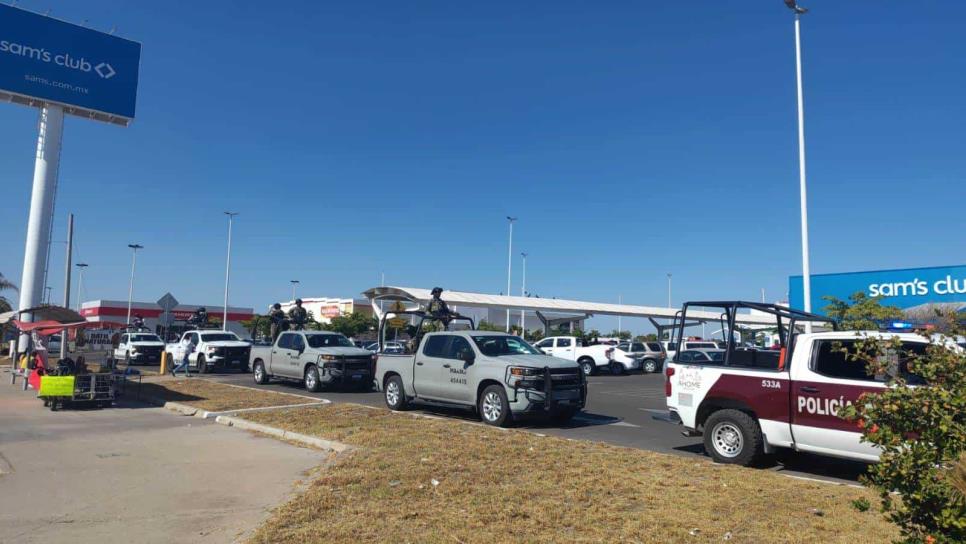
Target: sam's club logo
x,y
104,70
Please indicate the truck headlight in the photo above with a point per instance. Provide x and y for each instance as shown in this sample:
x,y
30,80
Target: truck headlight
x,y
523,376
326,357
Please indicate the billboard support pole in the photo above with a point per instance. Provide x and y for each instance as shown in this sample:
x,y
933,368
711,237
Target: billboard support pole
x,y
806,274
46,165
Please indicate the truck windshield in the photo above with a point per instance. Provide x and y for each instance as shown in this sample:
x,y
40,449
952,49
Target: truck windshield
x,y
328,341
144,338
219,337
495,346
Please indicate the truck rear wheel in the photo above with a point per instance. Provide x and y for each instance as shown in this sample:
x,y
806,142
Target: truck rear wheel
x,y
259,373
616,368
733,437
395,394
494,407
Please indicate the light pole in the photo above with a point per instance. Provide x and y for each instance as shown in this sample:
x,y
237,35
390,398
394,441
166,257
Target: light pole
x,y
803,195
224,320
130,290
668,289
509,268
523,293
294,283
47,297
80,283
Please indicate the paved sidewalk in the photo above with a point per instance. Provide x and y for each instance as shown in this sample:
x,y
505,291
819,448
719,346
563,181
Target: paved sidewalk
x,y
135,474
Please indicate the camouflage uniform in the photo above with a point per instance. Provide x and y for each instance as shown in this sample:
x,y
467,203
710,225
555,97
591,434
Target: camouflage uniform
x,y
277,317
298,317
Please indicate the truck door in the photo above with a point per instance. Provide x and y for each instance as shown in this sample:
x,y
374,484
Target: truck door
x,y
823,381
429,370
565,348
284,355
455,373
545,345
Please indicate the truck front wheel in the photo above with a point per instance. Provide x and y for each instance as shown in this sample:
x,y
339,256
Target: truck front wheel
x,y
588,366
733,437
202,364
312,382
494,407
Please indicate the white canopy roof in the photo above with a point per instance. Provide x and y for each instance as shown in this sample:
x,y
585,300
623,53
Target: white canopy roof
x,y
482,300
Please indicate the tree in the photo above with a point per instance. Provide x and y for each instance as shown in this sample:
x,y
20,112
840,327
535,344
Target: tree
x,y
623,335
352,324
860,313
6,285
649,337
262,324
921,431
485,325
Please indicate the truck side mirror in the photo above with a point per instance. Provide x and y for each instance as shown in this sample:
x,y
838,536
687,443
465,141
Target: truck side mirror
x,y
468,357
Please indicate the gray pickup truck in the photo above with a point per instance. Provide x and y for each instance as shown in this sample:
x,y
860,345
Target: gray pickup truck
x,y
501,376
317,358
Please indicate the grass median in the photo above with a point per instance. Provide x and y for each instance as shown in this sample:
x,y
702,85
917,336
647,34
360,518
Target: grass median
x,y
415,479
216,397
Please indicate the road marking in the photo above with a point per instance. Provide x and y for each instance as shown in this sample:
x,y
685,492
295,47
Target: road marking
x,y
317,399
654,410
623,424
821,481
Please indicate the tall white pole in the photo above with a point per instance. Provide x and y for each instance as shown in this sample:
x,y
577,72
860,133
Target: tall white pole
x,y
620,301
509,268
668,289
806,277
80,283
130,290
46,166
67,272
294,283
523,293
224,319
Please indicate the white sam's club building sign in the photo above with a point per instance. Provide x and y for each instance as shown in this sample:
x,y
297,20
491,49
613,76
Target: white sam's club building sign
x,y
904,288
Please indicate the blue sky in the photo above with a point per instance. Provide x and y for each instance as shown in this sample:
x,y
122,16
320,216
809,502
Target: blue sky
x,y
632,139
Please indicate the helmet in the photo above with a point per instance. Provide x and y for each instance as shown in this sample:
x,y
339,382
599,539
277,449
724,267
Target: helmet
x,y
298,301
276,306
437,290
202,309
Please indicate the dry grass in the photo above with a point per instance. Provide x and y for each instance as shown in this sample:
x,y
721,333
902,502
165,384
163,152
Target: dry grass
x,y
499,486
216,397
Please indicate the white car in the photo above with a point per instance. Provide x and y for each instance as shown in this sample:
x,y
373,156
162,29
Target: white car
x,y
213,349
589,357
139,347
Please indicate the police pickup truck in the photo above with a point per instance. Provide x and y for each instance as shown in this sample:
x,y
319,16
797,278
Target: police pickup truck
x,y
316,358
499,375
754,401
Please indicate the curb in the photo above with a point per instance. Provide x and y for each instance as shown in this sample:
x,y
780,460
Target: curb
x,y
312,441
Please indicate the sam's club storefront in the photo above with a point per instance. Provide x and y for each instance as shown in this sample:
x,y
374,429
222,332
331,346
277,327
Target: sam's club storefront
x,y
906,288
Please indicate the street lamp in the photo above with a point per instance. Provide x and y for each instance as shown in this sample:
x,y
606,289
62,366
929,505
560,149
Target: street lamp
x,y
294,283
668,289
523,293
80,282
509,268
130,290
806,277
224,320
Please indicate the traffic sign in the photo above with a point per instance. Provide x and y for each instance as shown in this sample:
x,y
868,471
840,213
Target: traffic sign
x,y
167,302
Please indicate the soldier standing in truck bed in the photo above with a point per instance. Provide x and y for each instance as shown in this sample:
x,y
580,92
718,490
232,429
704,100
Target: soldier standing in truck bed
x,y
277,316
298,316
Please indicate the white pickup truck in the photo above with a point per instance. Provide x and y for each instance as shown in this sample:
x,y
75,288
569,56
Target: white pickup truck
x,y
754,401
316,358
589,357
213,350
139,347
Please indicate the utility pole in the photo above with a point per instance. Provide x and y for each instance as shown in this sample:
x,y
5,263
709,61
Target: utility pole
x,y
509,268
130,290
620,302
224,320
80,283
294,283
70,251
523,293
803,194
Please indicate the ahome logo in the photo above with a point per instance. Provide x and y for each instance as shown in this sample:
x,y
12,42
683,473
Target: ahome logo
x,y
105,70
917,287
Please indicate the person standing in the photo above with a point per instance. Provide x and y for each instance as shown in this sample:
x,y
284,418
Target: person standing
x,y
298,316
186,347
277,317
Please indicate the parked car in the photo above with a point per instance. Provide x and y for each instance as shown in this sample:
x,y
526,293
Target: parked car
x,y
589,357
316,358
389,347
646,356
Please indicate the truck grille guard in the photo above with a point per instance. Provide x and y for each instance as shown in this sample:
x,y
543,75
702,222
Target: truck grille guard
x,y
550,402
344,366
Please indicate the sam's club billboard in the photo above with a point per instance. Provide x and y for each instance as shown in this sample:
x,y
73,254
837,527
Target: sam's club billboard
x,y
904,288
49,60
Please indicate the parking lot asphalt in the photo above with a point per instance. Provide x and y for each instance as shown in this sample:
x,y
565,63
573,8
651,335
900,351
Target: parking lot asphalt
x,y
621,410
135,473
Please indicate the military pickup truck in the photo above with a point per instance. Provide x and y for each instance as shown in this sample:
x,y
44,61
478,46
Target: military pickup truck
x,y
316,358
499,375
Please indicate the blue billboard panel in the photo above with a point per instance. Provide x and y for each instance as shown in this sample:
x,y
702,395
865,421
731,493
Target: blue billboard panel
x,y
904,288
53,61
